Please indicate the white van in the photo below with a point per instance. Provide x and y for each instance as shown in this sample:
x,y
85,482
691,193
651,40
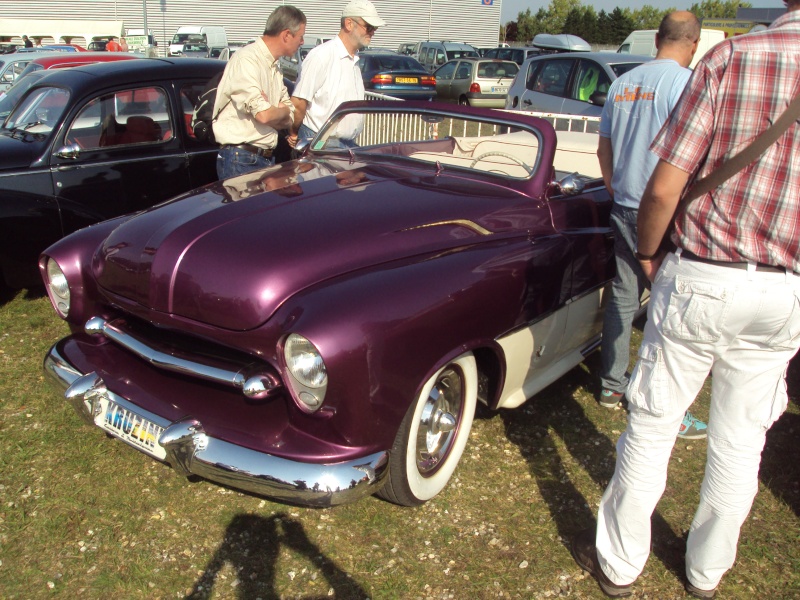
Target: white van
x,y
643,41
211,36
140,41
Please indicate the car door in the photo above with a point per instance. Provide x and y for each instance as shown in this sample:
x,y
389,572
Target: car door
x,y
587,90
547,84
119,152
444,80
461,82
10,72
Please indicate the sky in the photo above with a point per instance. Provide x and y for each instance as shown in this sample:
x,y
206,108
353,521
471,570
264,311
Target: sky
x,y
511,8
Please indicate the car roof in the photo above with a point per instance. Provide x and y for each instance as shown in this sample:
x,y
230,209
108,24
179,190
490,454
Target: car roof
x,y
84,78
77,57
608,58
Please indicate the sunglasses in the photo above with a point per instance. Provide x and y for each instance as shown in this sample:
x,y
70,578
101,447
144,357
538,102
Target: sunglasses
x,y
370,29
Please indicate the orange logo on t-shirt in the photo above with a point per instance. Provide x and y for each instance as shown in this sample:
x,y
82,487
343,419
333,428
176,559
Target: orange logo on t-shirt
x,y
633,95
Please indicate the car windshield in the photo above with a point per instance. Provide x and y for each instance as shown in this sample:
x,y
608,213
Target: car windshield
x,y
447,140
389,62
495,69
622,68
39,111
16,91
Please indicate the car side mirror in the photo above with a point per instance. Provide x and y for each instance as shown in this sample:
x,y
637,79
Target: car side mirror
x,y
571,185
598,98
72,151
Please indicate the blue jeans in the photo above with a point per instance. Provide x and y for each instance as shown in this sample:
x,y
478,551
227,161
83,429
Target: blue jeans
x,y
626,290
238,161
306,133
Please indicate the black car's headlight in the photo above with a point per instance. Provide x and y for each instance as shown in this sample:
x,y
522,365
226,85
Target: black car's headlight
x,y
308,375
57,288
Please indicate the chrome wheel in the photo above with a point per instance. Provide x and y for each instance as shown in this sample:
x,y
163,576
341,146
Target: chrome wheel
x,y
440,416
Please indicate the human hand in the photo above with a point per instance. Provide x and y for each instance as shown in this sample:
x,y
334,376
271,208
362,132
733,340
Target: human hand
x,y
291,139
652,265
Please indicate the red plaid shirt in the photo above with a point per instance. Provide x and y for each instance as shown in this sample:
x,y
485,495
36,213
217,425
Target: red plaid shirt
x,y
736,92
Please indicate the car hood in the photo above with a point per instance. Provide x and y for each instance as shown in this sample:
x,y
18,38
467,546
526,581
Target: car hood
x,y
230,254
20,151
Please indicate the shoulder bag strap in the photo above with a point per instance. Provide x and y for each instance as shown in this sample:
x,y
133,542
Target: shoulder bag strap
x,y
754,150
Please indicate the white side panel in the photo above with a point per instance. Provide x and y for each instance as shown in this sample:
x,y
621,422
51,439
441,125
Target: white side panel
x,y
410,21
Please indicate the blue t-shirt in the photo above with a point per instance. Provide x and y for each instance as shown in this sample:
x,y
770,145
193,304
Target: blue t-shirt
x,y
637,105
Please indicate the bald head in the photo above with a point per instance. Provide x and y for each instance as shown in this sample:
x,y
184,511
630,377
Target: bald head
x,y
677,36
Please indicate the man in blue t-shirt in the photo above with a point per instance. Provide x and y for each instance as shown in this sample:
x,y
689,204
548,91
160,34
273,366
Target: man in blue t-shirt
x,y
637,105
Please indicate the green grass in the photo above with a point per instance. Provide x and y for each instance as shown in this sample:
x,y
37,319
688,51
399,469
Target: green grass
x,y
83,516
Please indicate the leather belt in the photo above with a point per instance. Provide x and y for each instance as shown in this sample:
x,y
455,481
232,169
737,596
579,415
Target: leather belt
x,y
733,265
262,152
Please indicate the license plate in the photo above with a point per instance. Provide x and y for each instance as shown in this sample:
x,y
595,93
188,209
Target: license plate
x,y
406,80
131,428
499,90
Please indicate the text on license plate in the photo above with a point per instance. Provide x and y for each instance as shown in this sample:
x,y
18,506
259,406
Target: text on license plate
x,y
131,428
406,80
500,90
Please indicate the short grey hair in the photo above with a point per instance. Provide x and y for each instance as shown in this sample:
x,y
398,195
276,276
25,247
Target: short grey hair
x,y
679,26
283,18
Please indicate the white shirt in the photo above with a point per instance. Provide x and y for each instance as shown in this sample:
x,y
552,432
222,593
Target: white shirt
x,y
251,70
329,77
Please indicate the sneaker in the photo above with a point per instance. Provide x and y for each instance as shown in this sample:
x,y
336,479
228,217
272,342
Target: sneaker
x,y
698,593
585,554
609,399
692,428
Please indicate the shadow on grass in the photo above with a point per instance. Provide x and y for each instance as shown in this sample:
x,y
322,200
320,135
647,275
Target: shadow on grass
x,y
555,415
251,546
7,294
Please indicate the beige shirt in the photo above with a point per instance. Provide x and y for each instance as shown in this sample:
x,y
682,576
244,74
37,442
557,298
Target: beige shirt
x,y
250,71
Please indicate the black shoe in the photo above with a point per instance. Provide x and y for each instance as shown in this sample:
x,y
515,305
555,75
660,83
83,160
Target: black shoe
x,y
585,554
698,593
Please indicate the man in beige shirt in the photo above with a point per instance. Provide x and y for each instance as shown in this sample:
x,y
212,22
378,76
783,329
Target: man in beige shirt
x,y
252,103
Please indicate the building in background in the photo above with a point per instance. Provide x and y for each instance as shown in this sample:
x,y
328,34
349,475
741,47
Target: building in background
x,y
473,21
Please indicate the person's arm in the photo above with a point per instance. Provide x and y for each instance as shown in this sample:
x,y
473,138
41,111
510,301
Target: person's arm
x,y
656,211
606,157
300,108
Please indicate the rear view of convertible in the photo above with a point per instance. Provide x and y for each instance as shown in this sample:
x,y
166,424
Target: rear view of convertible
x,y
323,329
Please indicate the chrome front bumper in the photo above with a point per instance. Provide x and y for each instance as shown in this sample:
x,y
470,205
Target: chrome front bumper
x,y
190,451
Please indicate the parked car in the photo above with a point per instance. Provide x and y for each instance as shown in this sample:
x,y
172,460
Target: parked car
x,y
89,143
324,328
407,49
433,55
192,50
396,75
72,59
9,99
64,48
574,83
475,81
518,55
97,46
11,65
291,66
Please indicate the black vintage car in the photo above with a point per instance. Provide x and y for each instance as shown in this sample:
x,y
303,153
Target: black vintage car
x,y
89,143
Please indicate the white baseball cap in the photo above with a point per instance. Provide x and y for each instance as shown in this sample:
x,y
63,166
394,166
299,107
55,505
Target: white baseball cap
x,y
364,9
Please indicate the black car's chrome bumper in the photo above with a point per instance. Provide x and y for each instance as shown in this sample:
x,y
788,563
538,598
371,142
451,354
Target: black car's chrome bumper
x,y
190,451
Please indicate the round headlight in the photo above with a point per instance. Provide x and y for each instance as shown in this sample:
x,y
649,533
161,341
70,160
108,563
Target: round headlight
x,y
304,362
57,288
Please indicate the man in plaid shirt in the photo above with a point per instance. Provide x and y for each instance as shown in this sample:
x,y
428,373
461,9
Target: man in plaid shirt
x,y
726,301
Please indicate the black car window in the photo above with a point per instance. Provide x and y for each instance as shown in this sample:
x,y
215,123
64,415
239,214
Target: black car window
x,y
451,54
493,70
464,70
623,68
190,93
122,118
491,53
446,72
590,78
552,77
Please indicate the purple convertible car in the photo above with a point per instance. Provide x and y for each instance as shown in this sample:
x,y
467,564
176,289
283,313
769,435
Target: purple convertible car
x,y
322,330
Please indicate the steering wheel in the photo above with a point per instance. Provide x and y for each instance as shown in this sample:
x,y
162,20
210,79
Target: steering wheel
x,y
528,170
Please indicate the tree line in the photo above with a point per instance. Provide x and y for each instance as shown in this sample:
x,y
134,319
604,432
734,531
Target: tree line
x,y
571,16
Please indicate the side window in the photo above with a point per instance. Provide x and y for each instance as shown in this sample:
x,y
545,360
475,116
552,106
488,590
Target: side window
x,y
136,116
190,93
431,55
440,57
446,72
552,77
464,70
591,78
491,53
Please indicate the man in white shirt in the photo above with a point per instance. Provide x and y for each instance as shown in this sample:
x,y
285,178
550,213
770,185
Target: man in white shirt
x,y
252,102
330,76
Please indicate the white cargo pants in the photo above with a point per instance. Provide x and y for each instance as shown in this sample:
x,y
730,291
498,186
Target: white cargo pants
x,y
741,325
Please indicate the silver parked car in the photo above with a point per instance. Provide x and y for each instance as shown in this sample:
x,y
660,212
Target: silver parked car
x,y
574,83
475,81
291,66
